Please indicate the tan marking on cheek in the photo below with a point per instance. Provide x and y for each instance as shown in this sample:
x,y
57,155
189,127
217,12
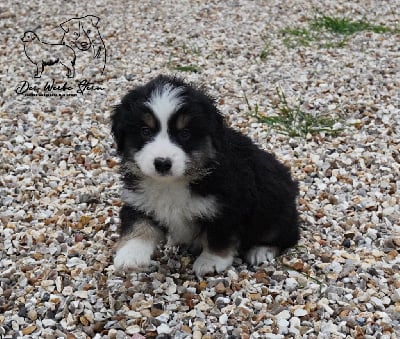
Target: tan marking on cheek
x,y
149,120
182,121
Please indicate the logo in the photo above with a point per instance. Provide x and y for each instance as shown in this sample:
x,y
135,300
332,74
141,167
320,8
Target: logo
x,y
80,49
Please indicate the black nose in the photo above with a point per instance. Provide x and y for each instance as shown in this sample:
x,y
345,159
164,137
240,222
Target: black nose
x,y
162,165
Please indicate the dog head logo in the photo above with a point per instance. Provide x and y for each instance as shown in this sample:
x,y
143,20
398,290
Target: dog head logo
x,y
80,43
83,34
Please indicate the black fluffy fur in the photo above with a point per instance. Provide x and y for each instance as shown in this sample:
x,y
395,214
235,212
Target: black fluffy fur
x,y
255,192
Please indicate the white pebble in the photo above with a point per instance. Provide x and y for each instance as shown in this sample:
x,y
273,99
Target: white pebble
x,y
48,322
133,329
223,319
164,329
197,335
294,322
19,139
81,294
329,328
273,336
67,290
396,295
283,326
291,284
378,303
285,314
300,312
232,275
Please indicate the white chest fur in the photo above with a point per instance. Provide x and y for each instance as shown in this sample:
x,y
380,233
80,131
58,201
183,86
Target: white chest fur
x,y
173,205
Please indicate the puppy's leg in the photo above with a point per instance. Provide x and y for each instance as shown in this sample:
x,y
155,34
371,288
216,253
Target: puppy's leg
x,y
210,261
70,70
39,70
213,259
139,238
258,254
134,251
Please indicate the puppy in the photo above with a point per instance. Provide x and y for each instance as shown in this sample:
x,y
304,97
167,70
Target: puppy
x,y
43,54
194,181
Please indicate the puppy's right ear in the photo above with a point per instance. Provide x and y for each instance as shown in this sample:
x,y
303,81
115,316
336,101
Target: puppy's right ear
x,y
118,128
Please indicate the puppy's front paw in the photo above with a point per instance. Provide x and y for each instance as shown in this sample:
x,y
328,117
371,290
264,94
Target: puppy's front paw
x,y
134,254
259,254
209,262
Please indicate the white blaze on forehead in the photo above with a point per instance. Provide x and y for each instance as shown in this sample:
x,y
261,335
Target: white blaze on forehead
x,y
165,101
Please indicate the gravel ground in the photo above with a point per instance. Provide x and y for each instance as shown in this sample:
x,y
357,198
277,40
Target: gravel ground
x,y
59,174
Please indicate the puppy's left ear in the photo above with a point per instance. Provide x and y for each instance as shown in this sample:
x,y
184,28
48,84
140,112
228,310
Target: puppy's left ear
x,y
94,20
117,128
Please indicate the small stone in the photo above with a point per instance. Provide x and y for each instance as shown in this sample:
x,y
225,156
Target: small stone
x,y
328,328
291,284
29,330
261,277
223,319
324,303
48,322
22,312
272,336
32,314
164,329
293,143
255,296
388,211
112,333
132,329
84,321
202,306
232,275
346,243
378,303
45,297
300,312
285,314
197,335
19,139
349,235
283,326
156,310
258,306
326,258
81,294
396,295
67,290
295,322
363,296
220,288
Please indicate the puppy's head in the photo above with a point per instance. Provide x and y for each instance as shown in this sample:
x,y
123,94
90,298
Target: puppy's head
x,y
166,130
29,36
77,31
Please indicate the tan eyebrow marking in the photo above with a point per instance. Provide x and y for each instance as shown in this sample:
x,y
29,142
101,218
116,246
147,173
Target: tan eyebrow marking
x,y
182,121
149,120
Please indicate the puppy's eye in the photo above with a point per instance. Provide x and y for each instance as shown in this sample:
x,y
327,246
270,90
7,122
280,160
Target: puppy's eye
x,y
146,132
184,134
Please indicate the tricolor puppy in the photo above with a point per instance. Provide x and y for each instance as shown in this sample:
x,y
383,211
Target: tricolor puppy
x,y
192,180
